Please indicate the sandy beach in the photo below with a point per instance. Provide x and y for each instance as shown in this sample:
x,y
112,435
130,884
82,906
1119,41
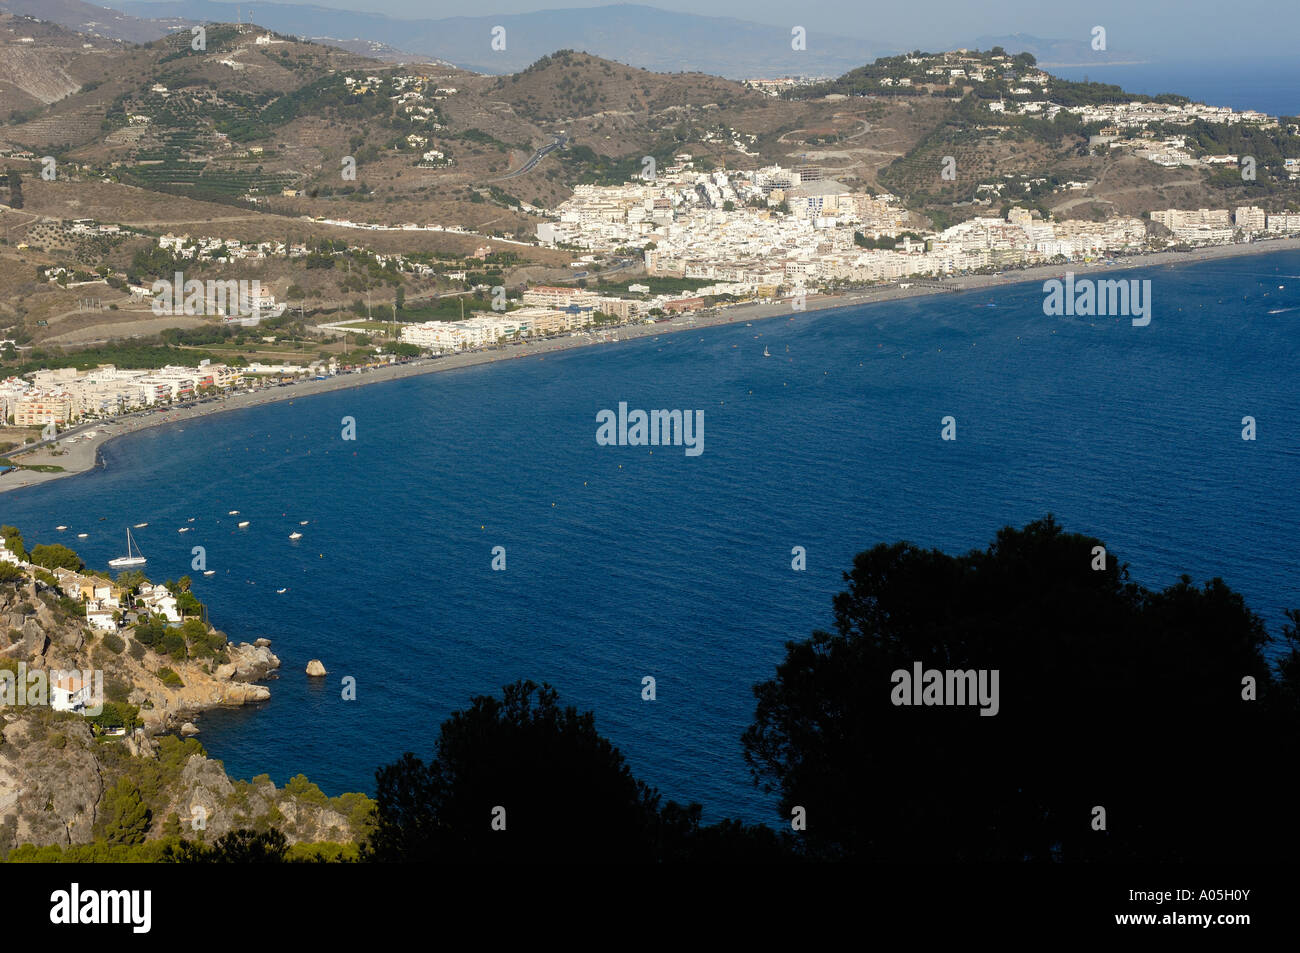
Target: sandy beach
x,y
79,451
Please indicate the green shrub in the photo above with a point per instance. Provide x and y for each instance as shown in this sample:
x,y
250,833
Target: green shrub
x,y
114,643
14,542
117,715
170,678
124,818
300,787
55,556
173,644
150,632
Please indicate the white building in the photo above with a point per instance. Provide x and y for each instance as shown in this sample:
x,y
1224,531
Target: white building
x,y
70,692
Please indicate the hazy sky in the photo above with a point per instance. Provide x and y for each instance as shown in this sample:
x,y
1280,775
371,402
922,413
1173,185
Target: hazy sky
x,y
1151,29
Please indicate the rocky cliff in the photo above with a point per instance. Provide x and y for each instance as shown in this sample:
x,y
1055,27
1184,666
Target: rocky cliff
x,y
63,783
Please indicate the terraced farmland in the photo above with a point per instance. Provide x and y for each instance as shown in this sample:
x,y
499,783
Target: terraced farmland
x,y
202,179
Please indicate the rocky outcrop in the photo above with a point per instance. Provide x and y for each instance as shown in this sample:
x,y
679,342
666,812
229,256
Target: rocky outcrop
x,y
316,668
253,662
35,642
57,780
50,780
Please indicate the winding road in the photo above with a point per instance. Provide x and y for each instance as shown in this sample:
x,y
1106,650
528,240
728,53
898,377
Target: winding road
x,y
556,143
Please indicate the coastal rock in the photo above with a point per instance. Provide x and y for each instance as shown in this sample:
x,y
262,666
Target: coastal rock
x,y
252,661
242,693
204,792
140,745
316,668
71,636
189,728
49,783
35,641
262,643
226,672
312,821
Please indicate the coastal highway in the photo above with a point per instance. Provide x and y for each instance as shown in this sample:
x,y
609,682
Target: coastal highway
x,y
63,435
556,143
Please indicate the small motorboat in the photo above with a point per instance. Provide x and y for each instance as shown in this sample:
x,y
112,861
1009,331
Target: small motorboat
x,y
243,524
295,535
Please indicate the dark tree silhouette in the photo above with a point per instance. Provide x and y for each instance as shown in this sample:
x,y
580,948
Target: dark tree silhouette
x,y
1110,696
566,791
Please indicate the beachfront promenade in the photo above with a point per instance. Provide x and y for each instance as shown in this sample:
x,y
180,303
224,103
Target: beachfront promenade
x,y
82,454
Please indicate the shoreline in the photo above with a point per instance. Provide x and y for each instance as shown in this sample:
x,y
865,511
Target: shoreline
x,y
81,453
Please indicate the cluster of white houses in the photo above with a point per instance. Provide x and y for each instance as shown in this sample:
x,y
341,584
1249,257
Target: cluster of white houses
x,y
108,607
106,602
755,232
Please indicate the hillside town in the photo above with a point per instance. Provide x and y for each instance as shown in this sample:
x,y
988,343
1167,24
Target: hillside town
x,y
758,232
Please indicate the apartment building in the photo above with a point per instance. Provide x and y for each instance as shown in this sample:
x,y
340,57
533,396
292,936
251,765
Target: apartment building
x,y
37,410
1250,218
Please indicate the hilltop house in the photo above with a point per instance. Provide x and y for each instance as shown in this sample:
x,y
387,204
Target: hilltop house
x,y
159,601
70,693
100,616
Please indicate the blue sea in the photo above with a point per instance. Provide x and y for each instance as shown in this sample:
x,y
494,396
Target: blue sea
x,y
624,562
1268,84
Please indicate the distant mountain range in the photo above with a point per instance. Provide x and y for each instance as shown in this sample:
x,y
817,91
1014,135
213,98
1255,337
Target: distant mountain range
x,y
89,18
638,35
659,40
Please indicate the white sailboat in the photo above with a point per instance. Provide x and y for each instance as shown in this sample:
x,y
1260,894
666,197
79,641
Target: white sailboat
x,y
766,352
129,560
